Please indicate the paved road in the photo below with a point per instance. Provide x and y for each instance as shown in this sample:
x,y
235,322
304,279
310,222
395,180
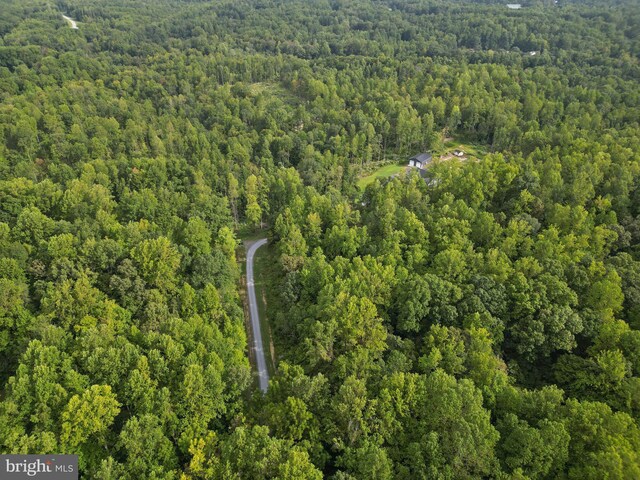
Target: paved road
x,y
263,375
72,23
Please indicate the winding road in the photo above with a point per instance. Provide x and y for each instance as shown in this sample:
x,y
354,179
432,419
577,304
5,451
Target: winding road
x,y
261,362
72,22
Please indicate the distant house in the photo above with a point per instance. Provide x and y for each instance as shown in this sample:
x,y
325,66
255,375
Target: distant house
x,y
420,161
514,6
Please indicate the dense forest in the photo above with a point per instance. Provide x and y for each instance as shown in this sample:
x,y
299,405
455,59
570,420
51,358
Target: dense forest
x,y
481,320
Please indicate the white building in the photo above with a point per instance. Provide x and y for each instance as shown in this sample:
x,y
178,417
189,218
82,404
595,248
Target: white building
x,y
420,161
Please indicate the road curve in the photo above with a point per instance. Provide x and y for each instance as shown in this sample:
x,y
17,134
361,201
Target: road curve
x,y
258,347
72,22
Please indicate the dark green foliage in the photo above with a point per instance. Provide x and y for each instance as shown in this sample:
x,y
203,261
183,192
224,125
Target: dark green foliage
x,y
482,322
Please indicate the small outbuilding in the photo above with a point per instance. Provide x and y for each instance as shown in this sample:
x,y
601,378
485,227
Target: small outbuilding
x,y
420,161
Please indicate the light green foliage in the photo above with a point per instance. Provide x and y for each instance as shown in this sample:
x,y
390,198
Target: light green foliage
x,y
158,261
251,452
297,465
469,436
601,438
37,396
73,303
369,461
15,318
88,415
253,210
197,236
32,226
444,349
413,304
148,451
536,452
479,319
227,243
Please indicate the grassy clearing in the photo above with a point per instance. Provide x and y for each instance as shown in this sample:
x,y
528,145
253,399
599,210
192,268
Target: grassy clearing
x,y
248,233
382,172
471,149
273,90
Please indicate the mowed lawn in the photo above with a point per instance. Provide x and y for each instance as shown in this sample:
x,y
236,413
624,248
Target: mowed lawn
x,y
470,149
382,172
